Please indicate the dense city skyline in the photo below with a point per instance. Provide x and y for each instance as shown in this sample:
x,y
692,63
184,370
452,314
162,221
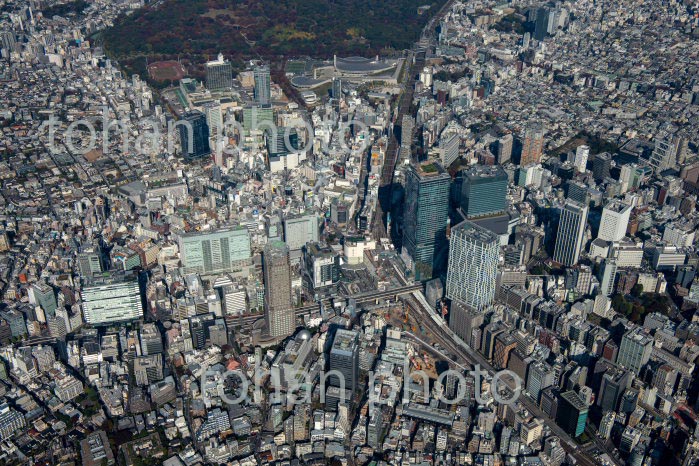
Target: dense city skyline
x,y
349,232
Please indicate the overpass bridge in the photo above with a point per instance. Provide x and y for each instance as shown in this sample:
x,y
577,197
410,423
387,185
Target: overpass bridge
x,y
367,297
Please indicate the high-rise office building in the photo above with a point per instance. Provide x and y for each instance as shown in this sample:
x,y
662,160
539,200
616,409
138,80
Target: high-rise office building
x,y
15,323
217,251
558,18
337,88
111,298
258,118
635,350
542,23
219,74
601,165
571,234
262,85
629,439
572,413
473,259
490,334
615,221
505,148
484,191
199,326
148,369
344,358
282,149
578,192
549,401
375,430
8,43
581,155
449,147
151,339
615,381
539,377
664,155
218,333
336,91
554,451
608,277
505,344
425,216
626,177
214,118
279,311
322,265
194,135
299,230
43,295
532,145
463,321
607,424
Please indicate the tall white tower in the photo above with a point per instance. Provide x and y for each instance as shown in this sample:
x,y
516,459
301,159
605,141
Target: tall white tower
x,y
474,253
581,155
615,221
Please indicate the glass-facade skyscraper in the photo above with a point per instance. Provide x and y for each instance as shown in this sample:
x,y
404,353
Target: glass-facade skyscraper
x,y
635,350
571,234
218,251
344,358
425,216
572,413
484,191
194,125
541,24
474,253
262,85
258,118
42,294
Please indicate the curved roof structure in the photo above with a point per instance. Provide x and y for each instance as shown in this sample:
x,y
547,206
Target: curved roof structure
x,y
361,65
306,82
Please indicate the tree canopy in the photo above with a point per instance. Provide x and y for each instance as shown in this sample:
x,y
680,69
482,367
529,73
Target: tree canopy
x,y
244,29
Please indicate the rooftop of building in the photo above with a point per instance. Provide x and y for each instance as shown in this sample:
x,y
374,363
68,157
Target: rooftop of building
x,y
429,169
319,250
574,399
471,230
110,278
617,206
361,65
345,341
482,172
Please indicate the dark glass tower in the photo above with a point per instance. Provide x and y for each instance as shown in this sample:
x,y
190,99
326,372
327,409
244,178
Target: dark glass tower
x,y
425,217
194,124
344,358
541,24
572,413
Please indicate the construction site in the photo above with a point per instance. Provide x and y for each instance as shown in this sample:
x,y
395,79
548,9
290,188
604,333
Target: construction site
x,y
398,316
